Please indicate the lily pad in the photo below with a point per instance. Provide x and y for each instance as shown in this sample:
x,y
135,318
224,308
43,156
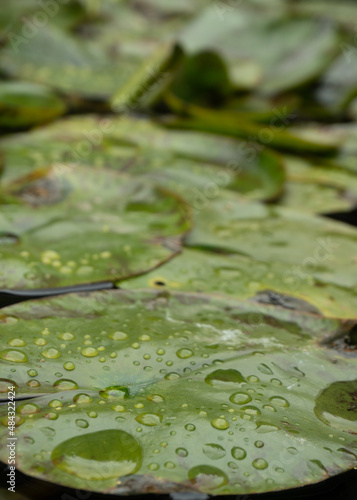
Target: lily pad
x,y
176,159
244,277
317,251
175,393
46,218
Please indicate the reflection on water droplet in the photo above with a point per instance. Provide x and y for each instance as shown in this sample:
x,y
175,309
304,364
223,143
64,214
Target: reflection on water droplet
x,y
220,424
240,398
83,424
205,477
279,401
214,451
115,392
336,406
238,453
118,336
99,455
27,409
260,463
65,385
225,376
150,419
5,383
13,355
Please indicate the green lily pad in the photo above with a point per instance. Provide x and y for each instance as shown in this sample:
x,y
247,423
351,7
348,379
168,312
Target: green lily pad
x,y
172,159
85,226
244,277
318,188
316,250
118,415
26,104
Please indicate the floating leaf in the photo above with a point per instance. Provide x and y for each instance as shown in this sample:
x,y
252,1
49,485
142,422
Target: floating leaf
x,y
46,217
26,104
114,369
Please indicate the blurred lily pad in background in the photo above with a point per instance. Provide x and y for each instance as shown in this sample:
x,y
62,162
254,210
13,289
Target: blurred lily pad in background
x,y
191,155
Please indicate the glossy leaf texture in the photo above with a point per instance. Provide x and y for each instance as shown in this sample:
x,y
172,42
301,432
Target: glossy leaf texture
x,y
253,388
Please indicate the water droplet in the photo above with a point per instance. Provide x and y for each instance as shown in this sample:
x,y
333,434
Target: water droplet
x,y
32,373
260,463
69,366
16,343
89,352
220,423
33,384
40,341
293,451
190,427
336,406
48,431
253,379
66,336
205,477
144,338
276,381
184,353
51,416
150,419
92,414
230,376
153,466
83,424
172,376
240,398
51,353
115,392
5,383
27,409
181,452
118,408
214,451
155,398
82,399
263,427
251,410
65,385
169,465
259,444
279,401
13,355
238,453
55,403
99,455
263,368
118,336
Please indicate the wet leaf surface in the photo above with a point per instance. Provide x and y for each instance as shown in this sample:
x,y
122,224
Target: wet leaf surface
x,y
246,415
